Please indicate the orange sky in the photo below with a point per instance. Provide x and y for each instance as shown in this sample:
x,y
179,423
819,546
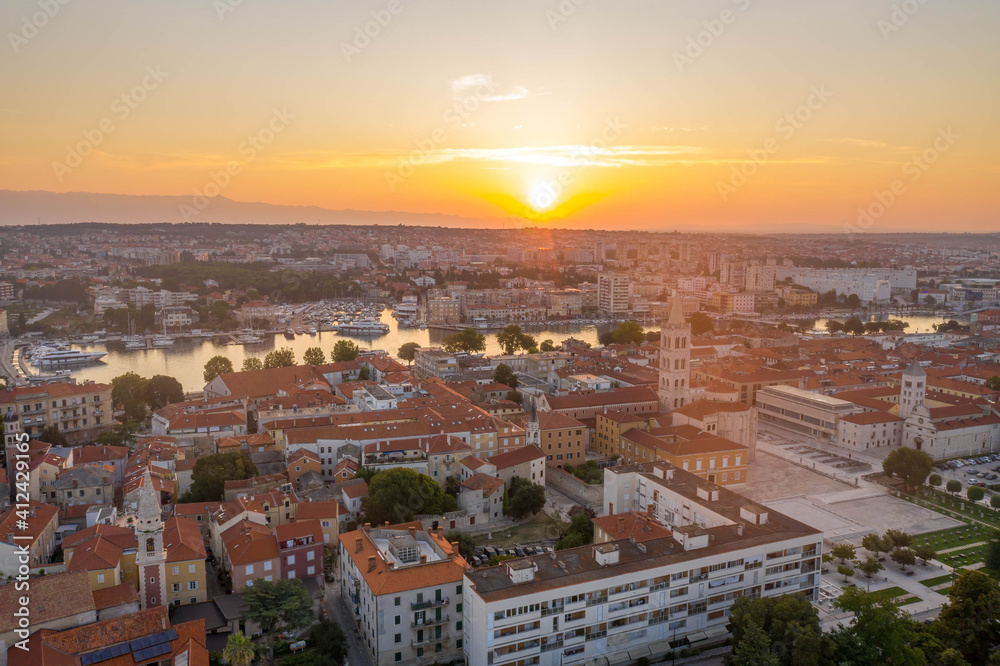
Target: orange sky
x,y
789,115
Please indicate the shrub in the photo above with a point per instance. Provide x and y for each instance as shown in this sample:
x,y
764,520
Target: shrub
x,y
975,493
934,480
954,486
995,501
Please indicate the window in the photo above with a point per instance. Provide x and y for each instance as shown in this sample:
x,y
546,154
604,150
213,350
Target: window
x,y
458,589
190,568
193,600
100,578
399,657
396,620
395,602
177,571
176,587
192,585
311,555
267,566
398,638
311,570
249,569
291,559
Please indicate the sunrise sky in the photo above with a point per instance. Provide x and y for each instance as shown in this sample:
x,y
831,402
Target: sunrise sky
x,y
584,113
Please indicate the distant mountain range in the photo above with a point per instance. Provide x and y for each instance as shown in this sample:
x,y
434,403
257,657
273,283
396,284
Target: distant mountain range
x,y
66,208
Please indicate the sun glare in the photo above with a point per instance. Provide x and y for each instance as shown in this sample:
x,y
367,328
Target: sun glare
x,y
543,196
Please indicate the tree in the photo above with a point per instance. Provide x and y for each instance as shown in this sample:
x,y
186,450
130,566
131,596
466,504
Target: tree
x,y
580,532
162,390
872,543
898,538
408,351
845,571
330,644
629,333
345,350
701,323
870,566
51,435
790,622
526,498
834,326
466,544
279,358
843,552
975,493
547,346
904,557
993,383
397,495
606,338
505,375
953,486
280,605
754,648
128,393
364,374
910,465
121,434
995,501
512,338
314,356
879,633
925,553
217,365
210,473
239,650
854,326
252,363
992,555
467,340
934,480
968,622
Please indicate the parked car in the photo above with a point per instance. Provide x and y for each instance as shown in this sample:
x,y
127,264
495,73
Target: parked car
x,y
519,551
992,477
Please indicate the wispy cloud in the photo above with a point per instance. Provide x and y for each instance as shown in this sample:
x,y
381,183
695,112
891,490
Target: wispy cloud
x,y
867,143
486,89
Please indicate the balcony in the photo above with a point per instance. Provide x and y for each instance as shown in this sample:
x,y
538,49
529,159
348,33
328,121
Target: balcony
x,y
430,622
431,640
422,605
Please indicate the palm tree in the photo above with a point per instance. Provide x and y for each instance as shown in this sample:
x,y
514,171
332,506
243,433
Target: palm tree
x,y
239,650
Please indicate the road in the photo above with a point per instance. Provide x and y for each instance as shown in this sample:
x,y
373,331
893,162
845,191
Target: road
x,y
340,614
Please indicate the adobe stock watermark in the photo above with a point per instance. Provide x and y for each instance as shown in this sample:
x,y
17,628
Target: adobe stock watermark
x,y
549,193
32,24
913,170
460,111
120,110
249,149
225,7
700,42
369,31
562,13
899,16
786,127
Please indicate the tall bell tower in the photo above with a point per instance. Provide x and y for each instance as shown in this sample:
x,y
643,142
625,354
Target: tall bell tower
x,y
675,359
150,557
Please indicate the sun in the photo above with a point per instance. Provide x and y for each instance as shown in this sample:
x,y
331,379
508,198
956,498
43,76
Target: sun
x,y
543,196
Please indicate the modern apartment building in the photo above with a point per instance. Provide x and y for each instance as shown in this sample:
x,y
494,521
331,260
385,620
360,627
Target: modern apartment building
x,y
613,293
80,412
405,590
801,411
621,600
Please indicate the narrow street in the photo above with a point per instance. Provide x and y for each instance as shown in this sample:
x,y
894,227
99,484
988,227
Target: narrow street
x,y
340,614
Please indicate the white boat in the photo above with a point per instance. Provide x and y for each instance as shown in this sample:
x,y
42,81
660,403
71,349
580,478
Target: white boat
x,y
249,339
364,327
134,342
63,357
312,330
163,341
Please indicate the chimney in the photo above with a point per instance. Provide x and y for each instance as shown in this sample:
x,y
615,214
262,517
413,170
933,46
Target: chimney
x,y
454,549
371,563
423,559
368,527
440,531
386,524
650,510
413,532
611,508
357,545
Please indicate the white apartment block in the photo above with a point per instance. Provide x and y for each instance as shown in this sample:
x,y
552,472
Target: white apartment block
x,y
618,601
613,293
404,589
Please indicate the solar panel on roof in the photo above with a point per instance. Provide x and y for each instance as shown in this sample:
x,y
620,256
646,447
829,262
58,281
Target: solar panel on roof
x,y
148,653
